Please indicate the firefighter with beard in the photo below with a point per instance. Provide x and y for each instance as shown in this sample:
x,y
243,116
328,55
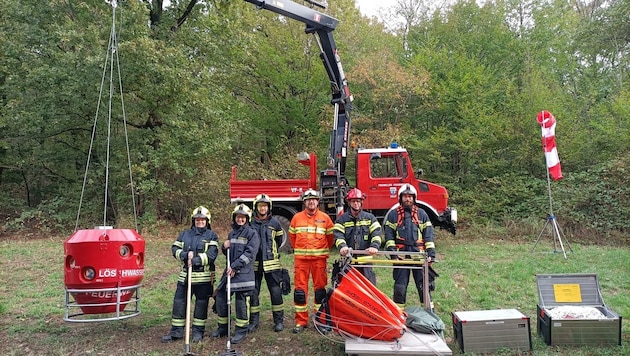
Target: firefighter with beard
x,y
311,235
408,228
241,248
359,230
267,263
199,246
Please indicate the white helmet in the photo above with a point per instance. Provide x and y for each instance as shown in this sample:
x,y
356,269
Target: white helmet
x,y
310,194
242,209
407,189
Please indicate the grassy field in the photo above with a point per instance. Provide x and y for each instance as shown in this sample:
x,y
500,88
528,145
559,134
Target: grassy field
x,y
478,270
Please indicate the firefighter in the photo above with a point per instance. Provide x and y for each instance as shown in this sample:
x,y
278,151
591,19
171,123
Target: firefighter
x,y
267,263
359,230
311,235
408,228
200,245
241,247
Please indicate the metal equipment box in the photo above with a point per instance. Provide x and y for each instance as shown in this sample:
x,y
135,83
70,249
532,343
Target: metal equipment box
x,y
487,331
585,320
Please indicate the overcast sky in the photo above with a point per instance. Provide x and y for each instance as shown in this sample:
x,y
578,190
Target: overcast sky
x,y
370,7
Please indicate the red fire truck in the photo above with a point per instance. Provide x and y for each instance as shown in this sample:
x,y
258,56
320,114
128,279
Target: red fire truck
x,y
379,171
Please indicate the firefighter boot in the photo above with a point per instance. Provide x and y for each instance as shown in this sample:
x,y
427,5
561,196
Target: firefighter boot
x,y
176,333
221,331
239,334
197,333
278,317
254,319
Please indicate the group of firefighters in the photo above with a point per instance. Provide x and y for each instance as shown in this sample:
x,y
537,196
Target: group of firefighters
x,y
252,252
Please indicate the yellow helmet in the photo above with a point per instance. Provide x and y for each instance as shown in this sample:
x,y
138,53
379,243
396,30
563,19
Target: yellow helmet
x,y
310,194
242,209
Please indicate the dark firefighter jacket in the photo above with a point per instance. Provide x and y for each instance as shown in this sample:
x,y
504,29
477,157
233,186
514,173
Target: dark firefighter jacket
x,y
204,243
270,232
244,244
357,233
409,230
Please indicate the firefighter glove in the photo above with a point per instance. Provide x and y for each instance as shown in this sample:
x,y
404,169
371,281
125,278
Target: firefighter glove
x,y
196,261
431,252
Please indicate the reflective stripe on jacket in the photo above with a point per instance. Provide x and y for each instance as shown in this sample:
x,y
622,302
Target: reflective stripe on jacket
x,y
270,232
358,232
244,244
401,233
204,243
311,236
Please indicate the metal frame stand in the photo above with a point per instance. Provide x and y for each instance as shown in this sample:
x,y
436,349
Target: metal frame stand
x,y
555,228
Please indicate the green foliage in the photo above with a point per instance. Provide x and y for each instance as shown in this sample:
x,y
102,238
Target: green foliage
x,y
52,215
598,198
459,87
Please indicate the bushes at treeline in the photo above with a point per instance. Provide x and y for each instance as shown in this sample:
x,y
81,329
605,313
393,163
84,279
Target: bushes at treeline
x,y
595,202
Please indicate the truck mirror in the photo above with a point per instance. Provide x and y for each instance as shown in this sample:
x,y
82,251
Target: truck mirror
x,y
419,173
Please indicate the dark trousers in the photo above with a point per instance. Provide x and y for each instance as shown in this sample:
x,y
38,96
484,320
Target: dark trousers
x,y
240,301
273,284
202,292
401,281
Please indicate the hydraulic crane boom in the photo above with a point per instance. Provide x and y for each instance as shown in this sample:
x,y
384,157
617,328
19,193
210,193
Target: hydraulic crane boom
x,y
333,181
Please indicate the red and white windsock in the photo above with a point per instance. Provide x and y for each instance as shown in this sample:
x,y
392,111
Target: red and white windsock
x,y
547,122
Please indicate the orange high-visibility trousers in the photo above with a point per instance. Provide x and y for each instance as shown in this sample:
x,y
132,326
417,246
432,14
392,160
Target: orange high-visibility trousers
x,y
315,267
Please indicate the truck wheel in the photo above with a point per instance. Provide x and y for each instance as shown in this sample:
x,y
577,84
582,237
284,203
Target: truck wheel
x,y
286,245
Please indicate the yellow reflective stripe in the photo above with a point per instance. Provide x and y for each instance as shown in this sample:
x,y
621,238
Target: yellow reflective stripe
x,y
428,245
241,322
375,226
390,243
196,277
312,230
393,225
340,228
204,258
276,308
301,308
310,252
271,265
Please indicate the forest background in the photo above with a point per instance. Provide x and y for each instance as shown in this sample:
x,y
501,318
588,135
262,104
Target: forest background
x,y
212,84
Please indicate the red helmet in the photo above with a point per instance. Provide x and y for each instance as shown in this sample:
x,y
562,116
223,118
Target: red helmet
x,y
355,193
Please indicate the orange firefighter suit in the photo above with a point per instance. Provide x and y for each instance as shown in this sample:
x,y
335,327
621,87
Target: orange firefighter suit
x,y
311,237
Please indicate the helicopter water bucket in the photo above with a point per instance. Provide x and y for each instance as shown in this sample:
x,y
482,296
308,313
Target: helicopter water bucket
x,y
103,268
356,307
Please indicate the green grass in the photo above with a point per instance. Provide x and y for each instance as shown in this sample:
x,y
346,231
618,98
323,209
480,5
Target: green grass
x,y
476,273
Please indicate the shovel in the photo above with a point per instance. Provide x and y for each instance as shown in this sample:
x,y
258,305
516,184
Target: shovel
x,y
187,351
228,350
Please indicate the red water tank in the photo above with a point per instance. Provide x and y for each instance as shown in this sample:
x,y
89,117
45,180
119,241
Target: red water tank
x,y
103,268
